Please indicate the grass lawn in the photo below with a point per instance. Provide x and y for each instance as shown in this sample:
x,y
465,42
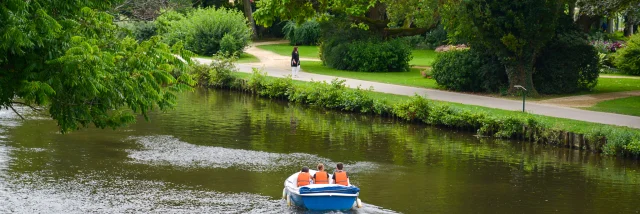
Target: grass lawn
x,y
607,85
244,58
560,123
411,78
420,57
628,106
423,57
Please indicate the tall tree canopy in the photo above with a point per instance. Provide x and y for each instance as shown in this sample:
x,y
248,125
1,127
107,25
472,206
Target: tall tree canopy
x,y
516,31
390,17
67,58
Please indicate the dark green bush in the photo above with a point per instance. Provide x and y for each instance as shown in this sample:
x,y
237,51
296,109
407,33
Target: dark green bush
x,y
307,33
628,59
567,64
140,30
228,45
202,30
436,37
347,48
469,70
377,56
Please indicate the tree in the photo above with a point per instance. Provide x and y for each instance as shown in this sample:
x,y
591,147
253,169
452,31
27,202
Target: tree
x,y
387,17
248,12
149,10
516,31
68,59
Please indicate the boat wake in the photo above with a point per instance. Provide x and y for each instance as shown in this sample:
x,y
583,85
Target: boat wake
x,y
168,150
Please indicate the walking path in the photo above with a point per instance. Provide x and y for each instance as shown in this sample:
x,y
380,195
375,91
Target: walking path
x,y
589,100
278,66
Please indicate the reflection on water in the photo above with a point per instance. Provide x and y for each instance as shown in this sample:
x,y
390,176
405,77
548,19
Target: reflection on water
x,y
224,152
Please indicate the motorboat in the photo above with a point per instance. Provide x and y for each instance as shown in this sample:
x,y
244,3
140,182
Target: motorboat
x,y
320,197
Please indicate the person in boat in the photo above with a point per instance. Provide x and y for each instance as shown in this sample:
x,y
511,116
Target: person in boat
x,y
321,177
340,176
304,178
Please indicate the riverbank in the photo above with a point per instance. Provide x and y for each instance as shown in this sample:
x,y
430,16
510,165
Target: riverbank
x,y
611,140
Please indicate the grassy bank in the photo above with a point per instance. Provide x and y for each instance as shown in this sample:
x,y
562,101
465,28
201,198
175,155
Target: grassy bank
x,y
628,106
484,121
411,78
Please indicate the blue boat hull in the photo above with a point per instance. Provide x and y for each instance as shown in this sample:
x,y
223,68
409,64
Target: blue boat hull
x,y
323,202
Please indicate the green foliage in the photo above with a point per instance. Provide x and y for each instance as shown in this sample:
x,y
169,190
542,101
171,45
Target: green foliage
x,y
229,45
74,64
140,30
515,31
568,64
628,58
436,37
203,30
469,70
217,74
308,33
368,56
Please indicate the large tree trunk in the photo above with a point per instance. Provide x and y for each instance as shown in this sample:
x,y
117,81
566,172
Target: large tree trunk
x,y
628,27
610,24
586,22
248,12
521,74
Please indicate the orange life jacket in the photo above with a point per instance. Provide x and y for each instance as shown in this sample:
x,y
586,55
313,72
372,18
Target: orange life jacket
x,y
303,179
321,178
341,178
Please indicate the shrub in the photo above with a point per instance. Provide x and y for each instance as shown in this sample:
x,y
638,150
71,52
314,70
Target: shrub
x,y
567,64
140,30
436,37
216,75
347,48
228,45
307,33
203,30
628,58
368,56
469,70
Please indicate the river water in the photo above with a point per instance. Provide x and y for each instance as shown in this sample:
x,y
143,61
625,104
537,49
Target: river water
x,y
226,152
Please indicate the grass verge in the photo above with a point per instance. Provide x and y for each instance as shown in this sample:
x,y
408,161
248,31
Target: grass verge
x,y
411,78
628,106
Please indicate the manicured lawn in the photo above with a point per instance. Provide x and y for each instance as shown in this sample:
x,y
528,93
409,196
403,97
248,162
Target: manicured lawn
x,y
560,123
607,85
244,58
628,106
420,57
423,57
411,78
286,49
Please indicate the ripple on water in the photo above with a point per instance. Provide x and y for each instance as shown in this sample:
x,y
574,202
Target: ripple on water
x,y
168,150
93,194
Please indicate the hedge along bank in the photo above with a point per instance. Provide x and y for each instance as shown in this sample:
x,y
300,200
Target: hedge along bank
x,y
335,95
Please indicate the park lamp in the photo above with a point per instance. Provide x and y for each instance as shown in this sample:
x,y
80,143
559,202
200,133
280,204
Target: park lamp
x,y
524,93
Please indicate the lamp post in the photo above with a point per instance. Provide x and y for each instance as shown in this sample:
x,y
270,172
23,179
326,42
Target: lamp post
x,y
524,93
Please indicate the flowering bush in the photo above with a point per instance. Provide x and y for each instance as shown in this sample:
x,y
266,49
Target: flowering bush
x,y
607,47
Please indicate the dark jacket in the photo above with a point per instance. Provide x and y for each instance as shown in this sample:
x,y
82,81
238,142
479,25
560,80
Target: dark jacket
x,y
295,56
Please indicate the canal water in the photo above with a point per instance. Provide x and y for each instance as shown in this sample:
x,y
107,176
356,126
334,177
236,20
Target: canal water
x,y
227,152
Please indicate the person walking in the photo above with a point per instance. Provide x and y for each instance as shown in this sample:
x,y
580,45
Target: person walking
x,y
295,62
